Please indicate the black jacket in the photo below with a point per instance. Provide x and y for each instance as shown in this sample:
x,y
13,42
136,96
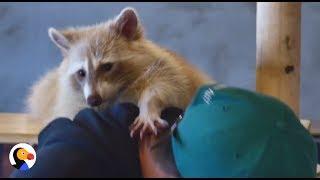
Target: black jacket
x,y
93,145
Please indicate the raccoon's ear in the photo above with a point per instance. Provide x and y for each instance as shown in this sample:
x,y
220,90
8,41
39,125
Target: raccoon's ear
x,y
59,40
127,24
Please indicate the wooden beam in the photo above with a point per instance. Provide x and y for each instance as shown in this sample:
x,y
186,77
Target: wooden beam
x,y
18,128
278,51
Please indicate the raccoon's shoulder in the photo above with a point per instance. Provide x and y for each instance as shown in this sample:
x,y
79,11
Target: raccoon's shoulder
x,y
173,54
174,58
164,52
185,67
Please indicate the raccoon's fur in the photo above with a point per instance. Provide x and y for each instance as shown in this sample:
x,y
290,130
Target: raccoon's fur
x,y
113,61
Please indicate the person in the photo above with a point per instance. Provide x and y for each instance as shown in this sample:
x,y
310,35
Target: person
x,y
94,144
225,132
233,132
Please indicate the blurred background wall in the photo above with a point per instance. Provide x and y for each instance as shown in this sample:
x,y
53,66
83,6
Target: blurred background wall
x,y
219,38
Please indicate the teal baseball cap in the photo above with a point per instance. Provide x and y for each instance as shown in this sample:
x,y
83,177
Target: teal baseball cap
x,y
232,132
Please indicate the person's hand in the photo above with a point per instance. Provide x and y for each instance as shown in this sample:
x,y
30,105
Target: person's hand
x,y
113,125
155,152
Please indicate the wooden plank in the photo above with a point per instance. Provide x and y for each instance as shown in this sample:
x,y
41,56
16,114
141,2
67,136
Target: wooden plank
x,y
18,127
278,51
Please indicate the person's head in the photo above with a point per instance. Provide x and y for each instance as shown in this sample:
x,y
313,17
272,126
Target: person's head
x,y
231,132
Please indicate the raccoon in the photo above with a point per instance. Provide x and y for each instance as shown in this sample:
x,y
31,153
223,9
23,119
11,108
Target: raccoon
x,y
112,62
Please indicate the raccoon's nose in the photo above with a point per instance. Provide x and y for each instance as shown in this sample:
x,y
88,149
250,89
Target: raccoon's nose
x,y
94,100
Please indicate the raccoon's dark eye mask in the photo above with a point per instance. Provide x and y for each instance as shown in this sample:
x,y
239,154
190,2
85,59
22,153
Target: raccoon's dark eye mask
x,y
105,67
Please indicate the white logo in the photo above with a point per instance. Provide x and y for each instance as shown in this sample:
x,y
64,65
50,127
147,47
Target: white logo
x,y
22,156
208,94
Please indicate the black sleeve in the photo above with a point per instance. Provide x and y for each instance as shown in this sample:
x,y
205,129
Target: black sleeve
x,y
93,145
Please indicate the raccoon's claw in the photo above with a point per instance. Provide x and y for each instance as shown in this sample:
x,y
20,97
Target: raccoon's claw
x,y
147,125
160,123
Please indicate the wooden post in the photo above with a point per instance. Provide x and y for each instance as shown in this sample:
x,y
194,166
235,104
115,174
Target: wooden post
x,y
278,51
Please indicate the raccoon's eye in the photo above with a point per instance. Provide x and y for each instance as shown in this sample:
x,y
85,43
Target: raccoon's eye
x,y
81,73
106,67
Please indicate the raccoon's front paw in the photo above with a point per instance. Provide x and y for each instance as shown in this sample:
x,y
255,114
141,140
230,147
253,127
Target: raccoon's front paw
x,y
147,124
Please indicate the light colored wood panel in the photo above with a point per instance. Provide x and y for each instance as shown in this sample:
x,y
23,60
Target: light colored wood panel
x,y
278,51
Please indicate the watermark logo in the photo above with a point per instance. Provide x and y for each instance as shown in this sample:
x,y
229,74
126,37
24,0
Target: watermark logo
x,y
22,156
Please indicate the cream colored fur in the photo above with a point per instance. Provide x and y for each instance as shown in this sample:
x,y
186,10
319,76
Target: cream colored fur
x,y
152,77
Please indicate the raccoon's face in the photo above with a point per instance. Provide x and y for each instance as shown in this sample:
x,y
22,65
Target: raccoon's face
x,y
104,59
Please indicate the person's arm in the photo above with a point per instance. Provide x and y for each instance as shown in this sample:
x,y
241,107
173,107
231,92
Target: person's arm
x,y
155,152
93,145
